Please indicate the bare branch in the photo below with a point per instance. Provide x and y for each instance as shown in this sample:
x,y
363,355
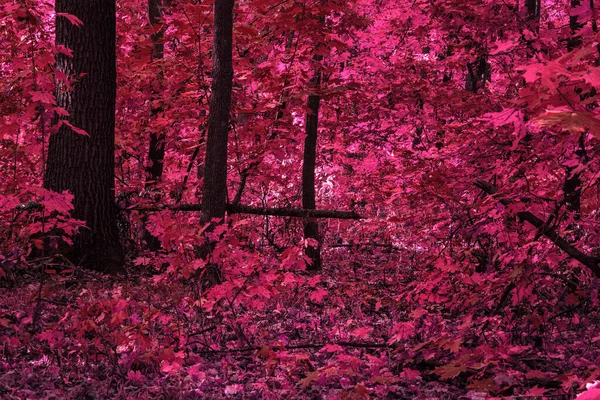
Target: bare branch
x,y
300,346
545,230
241,209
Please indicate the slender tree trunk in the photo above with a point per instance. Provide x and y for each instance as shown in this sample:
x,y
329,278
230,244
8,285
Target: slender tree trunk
x,y
311,227
572,183
594,22
478,73
214,195
533,9
82,164
156,153
575,25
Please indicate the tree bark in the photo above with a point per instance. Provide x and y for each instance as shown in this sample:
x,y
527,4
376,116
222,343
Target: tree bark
x,y
214,194
311,227
82,164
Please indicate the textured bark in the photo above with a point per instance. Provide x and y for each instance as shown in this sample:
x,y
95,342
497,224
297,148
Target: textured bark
x,y
84,165
311,227
214,194
156,152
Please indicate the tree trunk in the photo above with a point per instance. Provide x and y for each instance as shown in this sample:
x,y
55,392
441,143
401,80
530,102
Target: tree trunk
x,y
478,73
82,164
156,153
533,9
574,25
572,183
214,194
311,227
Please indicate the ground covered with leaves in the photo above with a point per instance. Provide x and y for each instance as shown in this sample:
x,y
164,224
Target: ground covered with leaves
x,y
364,329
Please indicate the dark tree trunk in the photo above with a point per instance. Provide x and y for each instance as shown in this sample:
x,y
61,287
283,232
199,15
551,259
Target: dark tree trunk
x,y
573,183
575,25
594,22
533,9
214,194
156,153
478,73
311,227
84,165
572,192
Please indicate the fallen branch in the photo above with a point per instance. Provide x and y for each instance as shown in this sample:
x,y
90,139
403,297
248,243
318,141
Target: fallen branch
x,y
298,346
591,262
383,245
205,330
276,212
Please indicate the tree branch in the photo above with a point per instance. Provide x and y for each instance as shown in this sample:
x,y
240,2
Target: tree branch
x,y
544,229
300,346
365,244
241,209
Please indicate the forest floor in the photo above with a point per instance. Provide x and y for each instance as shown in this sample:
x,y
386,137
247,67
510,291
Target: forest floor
x,y
352,332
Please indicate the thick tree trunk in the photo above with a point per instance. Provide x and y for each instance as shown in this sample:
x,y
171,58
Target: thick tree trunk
x,y
156,153
311,227
84,165
214,194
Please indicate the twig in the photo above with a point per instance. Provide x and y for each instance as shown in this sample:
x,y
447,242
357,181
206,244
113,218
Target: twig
x,y
210,328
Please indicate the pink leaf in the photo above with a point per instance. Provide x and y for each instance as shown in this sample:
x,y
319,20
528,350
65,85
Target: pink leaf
x,y
332,348
536,391
74,128
362,333
62,49
44,97
136,377
318,295
72,19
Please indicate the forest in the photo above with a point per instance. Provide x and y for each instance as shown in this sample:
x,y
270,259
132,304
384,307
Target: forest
x,y
299,199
